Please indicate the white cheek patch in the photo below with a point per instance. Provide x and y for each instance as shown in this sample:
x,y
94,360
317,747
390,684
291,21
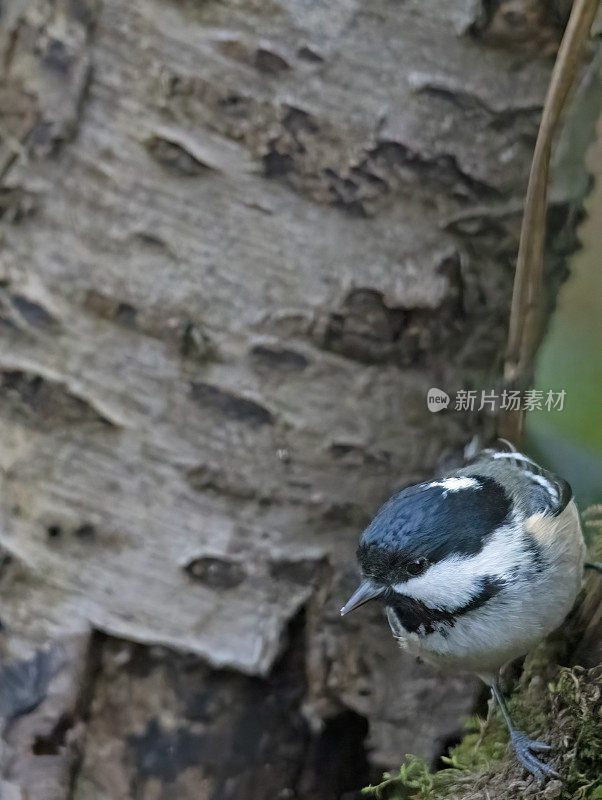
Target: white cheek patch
x,y
456,484
452,583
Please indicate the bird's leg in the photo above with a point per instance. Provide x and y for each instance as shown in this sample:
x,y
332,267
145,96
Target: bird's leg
x,y
524,747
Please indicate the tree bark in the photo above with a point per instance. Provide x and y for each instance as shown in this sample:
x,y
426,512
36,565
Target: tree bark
x,y
240,242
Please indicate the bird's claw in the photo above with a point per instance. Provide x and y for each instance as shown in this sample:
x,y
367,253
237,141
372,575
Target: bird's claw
x,y
525,750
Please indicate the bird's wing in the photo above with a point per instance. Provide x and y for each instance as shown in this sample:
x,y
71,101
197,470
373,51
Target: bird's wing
x,y
547,493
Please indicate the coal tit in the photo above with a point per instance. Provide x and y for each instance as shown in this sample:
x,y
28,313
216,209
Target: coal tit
x,y
475,568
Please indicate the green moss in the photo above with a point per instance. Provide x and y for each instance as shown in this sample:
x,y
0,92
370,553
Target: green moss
x,y
567,709
483,744
582,701
413,779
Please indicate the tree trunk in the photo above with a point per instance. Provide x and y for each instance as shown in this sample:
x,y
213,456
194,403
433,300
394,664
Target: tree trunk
x,y
241,240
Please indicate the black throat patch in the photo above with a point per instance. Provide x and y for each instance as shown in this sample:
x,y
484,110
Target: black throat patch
x,y
416,617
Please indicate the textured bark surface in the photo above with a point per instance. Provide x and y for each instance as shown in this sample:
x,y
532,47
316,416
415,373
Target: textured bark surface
x,y
240,240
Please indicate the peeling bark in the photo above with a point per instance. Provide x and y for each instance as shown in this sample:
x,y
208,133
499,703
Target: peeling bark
x,y
240,242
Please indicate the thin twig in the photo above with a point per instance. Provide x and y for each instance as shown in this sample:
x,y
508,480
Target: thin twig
x,y
526,310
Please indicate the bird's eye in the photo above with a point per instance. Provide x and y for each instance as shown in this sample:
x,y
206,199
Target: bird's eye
x,y
417,567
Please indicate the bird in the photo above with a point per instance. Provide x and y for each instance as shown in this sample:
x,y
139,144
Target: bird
x,y
474,568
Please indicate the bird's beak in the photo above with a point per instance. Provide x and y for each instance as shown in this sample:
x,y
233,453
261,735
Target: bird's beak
x,y
364,592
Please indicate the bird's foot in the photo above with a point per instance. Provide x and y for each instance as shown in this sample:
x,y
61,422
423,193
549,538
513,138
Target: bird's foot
x,y
525,750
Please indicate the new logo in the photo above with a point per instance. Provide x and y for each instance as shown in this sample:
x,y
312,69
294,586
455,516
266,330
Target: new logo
x,y
437,399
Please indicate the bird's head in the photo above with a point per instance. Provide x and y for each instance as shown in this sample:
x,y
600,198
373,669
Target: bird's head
x,y
428,543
